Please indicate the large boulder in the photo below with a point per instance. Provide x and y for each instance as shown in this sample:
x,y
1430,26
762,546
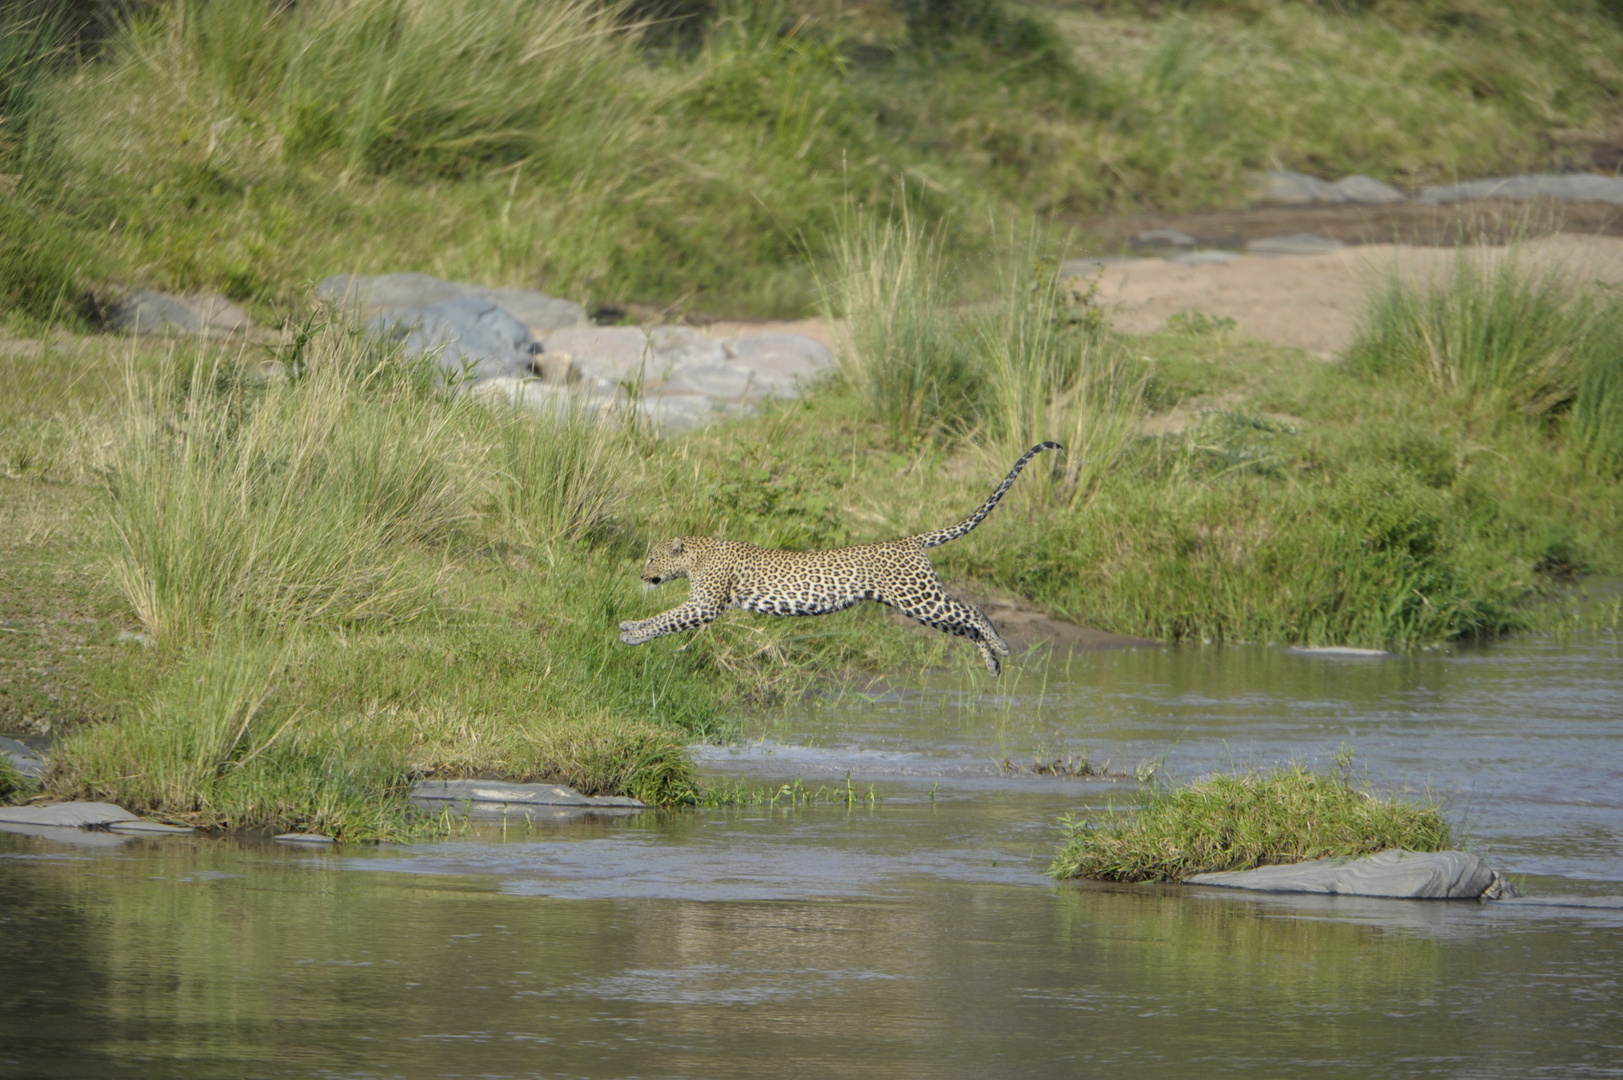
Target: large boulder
x,y
470,338
366,296
1396,874
159,314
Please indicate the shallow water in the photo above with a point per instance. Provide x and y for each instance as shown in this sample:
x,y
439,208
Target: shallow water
x,y
915,935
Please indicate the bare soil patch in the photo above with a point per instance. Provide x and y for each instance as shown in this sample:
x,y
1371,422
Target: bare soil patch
x,y
1309,302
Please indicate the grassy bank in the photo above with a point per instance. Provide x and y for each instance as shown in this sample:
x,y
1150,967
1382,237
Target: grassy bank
x,y
1243,821
253,147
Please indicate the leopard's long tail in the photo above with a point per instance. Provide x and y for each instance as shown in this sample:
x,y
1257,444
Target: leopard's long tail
x,y
942,536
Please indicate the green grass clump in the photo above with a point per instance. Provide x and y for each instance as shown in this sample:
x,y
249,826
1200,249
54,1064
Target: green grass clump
x,y
1246,820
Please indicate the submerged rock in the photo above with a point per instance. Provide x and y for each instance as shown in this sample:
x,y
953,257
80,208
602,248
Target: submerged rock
x,y
148,313
1394,874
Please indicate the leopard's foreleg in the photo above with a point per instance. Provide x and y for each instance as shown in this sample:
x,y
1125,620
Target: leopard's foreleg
x,y
689,616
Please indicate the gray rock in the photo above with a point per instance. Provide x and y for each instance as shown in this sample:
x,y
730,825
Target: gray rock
x,y
536,310
470,337
1160,238
510,794
1204,258
368,296
549,399
69,815
1570,187
715,380
148,828
614,353
23,758
781,362
305,838
682,346
1367,189
1396,874
1294,244
1286,188
677,411
162,314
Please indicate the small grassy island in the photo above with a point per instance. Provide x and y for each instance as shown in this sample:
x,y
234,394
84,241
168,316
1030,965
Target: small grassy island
x,y
1245,820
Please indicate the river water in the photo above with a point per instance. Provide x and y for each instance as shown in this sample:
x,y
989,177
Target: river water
x,y
910,935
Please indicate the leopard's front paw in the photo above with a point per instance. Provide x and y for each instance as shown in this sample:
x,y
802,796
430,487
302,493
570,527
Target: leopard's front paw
x,y
631,633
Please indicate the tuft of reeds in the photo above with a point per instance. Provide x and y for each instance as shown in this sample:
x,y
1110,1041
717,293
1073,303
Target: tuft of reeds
x,y
905,352
310,497
1051,370
1509,334
1242,821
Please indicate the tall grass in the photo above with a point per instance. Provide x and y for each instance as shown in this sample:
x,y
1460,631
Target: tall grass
x,y
1246,820
419,84
1052,371
1508,335
904,350
317,497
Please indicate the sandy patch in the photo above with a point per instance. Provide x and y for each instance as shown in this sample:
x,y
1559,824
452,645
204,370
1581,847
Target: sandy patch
x,y
1309,302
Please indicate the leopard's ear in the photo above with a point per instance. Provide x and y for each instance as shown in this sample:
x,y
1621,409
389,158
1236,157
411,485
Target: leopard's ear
x,y
676,546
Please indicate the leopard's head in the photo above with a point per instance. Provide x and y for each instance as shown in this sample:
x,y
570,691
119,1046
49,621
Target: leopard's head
x,y
666,562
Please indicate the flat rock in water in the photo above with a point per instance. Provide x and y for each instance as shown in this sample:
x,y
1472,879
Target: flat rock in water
x,y
162,314
1294,244
470,337
503,792
70,815
59,834
22,758
305,838
1368,190
1282,187
368,296
1568,187
1393,874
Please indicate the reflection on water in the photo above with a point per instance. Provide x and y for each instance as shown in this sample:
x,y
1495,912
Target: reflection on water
x,y
915,937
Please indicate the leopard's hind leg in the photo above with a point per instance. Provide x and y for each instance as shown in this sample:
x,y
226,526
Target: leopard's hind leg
x,y
930,605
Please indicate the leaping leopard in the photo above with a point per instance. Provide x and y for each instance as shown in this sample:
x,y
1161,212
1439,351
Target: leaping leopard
x,y
726,573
